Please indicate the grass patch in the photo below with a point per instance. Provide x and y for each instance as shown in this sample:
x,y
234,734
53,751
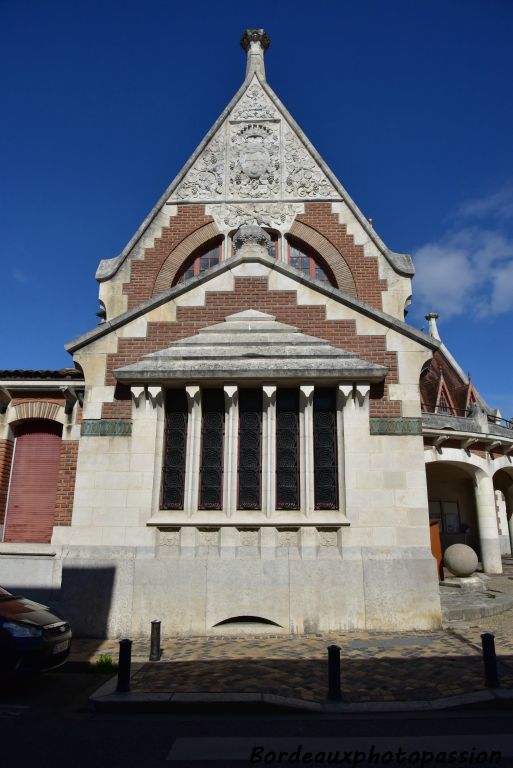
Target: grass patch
x,y
104,663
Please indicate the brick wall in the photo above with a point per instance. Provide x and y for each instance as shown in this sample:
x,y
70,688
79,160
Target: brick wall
x,y
66,482
363,268
6,452
253,293
144,273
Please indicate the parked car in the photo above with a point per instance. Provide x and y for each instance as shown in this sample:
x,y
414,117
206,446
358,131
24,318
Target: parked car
x,y
31,637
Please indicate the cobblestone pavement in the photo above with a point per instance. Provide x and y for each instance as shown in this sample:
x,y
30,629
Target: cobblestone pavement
x,y
376,666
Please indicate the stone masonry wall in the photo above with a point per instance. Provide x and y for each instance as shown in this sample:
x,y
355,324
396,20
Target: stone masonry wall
x,y
253,292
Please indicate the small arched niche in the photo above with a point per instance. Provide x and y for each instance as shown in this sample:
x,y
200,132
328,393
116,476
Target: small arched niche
x,y
247,625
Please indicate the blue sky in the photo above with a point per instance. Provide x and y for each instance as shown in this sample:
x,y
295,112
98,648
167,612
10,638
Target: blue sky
x,y
408,102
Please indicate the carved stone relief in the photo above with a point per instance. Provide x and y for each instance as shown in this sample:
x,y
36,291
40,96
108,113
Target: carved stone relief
x,y
205,180
255,155
254,160
230,216
255,105
303,176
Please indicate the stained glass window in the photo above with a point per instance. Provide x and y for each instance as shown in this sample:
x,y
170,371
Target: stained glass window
x,y
325,448
175,450
287,449
212,438
250,448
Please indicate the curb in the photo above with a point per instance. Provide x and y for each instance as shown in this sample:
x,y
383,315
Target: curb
x,y
106,698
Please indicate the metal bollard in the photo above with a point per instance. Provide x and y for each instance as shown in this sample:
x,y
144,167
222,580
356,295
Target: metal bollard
x,y
125,659
489,660
155,651
334,690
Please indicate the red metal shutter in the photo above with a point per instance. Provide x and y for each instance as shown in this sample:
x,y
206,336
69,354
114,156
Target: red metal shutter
x,y
33,488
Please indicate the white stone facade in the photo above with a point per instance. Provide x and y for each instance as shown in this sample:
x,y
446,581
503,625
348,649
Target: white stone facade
x,y
363,563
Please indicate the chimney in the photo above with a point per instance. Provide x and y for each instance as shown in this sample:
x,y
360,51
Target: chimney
x,y
255,42
432,317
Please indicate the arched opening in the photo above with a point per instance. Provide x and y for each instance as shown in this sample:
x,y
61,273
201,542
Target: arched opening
x,y
209,255
246,620
452,504
32,493
503,487
247,625
306,260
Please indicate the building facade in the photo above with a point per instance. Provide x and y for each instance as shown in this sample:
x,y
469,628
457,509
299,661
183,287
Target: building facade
x,y
253,438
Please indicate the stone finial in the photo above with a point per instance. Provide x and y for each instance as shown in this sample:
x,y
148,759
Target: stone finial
x,y
251,234
255,42
432,317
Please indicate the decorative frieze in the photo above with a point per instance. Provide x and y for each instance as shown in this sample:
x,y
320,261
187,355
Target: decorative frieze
x,y
279,216
106,428
396,426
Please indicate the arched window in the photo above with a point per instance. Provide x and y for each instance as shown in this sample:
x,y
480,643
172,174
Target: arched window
x,y
199,262
312,265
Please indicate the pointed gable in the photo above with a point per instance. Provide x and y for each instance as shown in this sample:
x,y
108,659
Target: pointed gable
x,y
256,166
256,154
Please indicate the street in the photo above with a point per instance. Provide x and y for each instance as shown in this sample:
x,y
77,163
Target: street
x,y
47,719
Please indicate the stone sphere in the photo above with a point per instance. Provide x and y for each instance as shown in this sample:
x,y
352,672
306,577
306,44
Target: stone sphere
x,y
460,559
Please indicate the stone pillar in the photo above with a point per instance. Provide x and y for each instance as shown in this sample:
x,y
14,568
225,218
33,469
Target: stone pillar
x,y
509,513
343,391
231,449
306,449
269,449
192,459
487,524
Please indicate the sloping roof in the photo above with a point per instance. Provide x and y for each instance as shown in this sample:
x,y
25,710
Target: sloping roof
x,y
202,177
64,374
249,345
279,266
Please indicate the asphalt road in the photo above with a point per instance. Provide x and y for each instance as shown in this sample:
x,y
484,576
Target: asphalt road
x,y
46,721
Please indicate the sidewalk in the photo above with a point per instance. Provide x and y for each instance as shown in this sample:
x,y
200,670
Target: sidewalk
x,y
379,670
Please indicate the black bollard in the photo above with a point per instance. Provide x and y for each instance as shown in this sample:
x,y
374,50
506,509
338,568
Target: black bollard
x,y
155,641
489,660
125,659
334,691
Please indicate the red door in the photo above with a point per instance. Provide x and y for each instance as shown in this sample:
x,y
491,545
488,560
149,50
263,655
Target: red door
x,y
33,487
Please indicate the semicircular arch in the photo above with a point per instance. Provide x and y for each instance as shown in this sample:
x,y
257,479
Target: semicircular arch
x,y
333,258
36,409
178,255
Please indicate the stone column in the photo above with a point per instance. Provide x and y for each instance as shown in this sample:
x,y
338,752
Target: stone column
x,y
269,449
306,449
231,449
487,524
509,514
343,392
192,459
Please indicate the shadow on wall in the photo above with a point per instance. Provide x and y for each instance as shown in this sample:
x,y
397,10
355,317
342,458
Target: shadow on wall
x,y
84,598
